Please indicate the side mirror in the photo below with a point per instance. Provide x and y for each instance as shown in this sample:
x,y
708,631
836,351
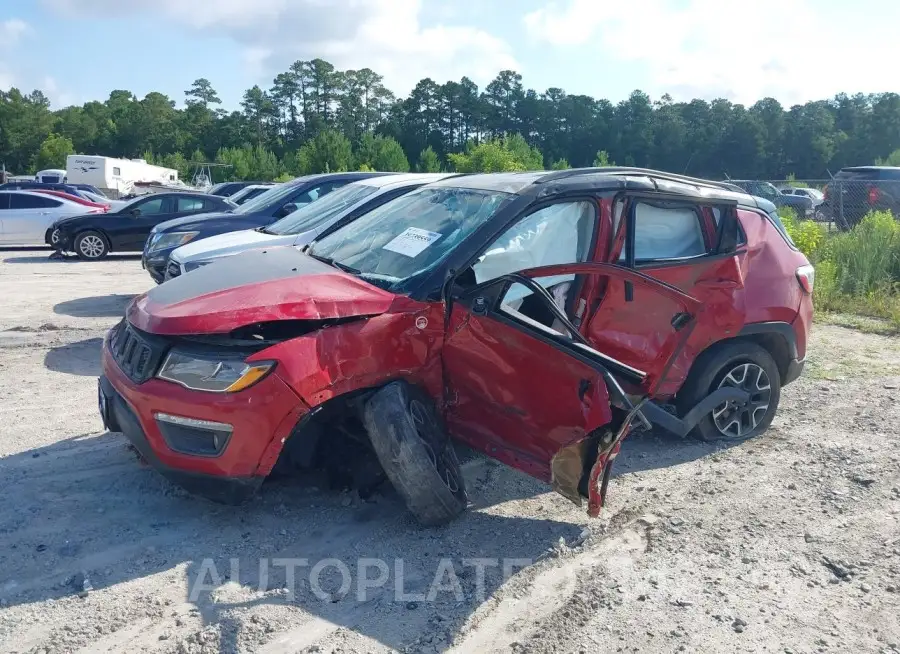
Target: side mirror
x,y
290,207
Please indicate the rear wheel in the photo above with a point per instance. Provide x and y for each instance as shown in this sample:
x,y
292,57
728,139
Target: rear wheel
x,y
742,365
91,246
412,446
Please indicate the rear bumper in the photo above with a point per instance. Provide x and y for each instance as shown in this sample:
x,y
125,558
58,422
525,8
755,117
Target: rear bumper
x,y
794,370
260,419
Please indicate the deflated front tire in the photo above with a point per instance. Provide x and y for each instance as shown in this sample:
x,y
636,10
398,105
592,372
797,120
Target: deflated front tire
x,y
413,448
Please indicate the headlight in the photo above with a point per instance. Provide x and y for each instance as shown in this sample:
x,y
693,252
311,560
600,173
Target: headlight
x,y
213,374
170,240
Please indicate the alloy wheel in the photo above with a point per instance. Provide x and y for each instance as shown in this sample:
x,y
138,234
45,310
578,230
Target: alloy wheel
x,y
91,246
430,434
736,420
54,237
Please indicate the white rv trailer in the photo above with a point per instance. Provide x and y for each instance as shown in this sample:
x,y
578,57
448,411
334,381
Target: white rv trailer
x,y
116,176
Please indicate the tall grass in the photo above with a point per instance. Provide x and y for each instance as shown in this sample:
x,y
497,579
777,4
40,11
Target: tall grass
x,y
856,271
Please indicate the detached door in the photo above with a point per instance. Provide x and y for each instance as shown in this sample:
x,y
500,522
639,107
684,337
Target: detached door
x,y
522,386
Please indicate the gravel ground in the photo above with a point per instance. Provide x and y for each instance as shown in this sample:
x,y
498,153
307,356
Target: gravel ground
x,y
788,543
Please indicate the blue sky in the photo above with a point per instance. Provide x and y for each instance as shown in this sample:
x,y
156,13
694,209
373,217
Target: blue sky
x,y
794,50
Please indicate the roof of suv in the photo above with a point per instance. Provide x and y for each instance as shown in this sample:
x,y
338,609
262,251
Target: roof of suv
x,y
610,178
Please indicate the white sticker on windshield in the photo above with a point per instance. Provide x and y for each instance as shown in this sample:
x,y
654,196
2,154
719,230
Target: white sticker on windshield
x,y
412,241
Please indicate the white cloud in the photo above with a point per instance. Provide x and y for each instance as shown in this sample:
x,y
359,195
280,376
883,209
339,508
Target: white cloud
x,y
794,50
11,32
385,35
58,97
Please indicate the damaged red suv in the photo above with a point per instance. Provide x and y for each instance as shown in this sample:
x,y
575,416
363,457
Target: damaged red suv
x,y
535,317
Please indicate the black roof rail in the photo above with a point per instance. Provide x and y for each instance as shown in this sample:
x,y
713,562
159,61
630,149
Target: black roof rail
x,y
630,170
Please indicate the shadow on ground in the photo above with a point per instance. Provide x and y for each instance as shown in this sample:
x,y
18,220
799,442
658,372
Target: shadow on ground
x,y
79,358
98,306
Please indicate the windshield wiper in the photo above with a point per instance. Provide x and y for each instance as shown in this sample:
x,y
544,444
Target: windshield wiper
x,y
335,264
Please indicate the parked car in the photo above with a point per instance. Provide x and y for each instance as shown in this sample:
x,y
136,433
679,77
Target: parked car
x,y
126,229
249,192
114,205
226,189
263,210
813,194
26,215
766,190
74,198
34,186
856,191
300,227
536,317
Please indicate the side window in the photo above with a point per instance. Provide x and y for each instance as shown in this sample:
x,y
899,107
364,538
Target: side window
x,y
521,303
666,232
22,201
317,192
189,204
152,207
211,205
558,234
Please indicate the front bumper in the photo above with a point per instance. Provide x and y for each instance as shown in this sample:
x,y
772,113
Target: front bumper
x,y
261,418
155,264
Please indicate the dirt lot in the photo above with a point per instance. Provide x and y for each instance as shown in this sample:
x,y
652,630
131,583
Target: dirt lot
x,y
789,543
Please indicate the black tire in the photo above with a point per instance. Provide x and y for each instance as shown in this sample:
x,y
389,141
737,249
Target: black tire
x,y
91,246
710,372
420,461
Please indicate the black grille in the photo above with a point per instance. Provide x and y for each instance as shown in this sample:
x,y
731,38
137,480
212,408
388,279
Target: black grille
x,y
173,270
138,354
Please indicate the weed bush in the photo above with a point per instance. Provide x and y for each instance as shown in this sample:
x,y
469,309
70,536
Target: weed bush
x,y
857,271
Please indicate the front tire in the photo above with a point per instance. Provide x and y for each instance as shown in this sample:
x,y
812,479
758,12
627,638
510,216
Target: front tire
x,y
412,446
91,246
743,365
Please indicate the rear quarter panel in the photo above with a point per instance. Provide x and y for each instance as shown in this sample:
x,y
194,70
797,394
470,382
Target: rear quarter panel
x,y
771,289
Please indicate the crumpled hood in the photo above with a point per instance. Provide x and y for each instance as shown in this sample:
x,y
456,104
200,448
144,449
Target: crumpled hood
x,y
278,283
227,244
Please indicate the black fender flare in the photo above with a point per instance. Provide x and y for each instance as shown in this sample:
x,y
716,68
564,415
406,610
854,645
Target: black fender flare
x,y
783,329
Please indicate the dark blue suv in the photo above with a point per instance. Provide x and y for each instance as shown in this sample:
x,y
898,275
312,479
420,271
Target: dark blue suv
x,y
261,211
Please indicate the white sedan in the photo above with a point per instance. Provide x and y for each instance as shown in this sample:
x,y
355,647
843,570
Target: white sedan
x,y
25,215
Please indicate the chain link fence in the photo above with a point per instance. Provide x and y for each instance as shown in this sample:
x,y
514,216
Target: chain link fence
x,y
840,203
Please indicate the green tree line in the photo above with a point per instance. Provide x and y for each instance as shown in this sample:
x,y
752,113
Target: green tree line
x,y
315,118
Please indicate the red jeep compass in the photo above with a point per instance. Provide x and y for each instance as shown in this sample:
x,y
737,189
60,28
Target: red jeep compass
x,y
536,317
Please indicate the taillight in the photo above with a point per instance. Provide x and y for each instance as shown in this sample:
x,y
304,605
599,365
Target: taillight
x,y
806,275
873,194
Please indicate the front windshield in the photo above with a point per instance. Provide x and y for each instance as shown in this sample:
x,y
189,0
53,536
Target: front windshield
x,y
410,234
263,200
315,214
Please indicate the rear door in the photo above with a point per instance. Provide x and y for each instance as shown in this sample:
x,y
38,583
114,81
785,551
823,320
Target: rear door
x,y
693,246
28,218
523,387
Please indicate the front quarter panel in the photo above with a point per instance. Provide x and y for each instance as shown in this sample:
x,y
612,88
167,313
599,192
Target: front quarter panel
x,y
404,343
